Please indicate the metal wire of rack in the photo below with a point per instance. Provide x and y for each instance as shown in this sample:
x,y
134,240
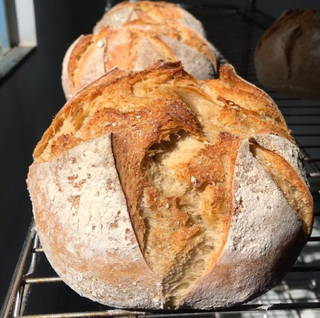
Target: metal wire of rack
x,y
296,296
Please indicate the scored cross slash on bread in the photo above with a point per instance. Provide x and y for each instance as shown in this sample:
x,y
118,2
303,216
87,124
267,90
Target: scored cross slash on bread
x,y
156,190
135,46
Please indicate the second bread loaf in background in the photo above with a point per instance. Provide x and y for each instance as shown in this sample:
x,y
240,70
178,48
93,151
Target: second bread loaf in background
x,y
135,46
287,57
148,11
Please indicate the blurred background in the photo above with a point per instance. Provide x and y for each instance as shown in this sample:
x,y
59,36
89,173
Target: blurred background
x,y
31,94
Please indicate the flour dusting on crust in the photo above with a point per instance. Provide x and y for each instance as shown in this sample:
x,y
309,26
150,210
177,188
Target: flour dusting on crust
x,y
285,149
262,218
84,195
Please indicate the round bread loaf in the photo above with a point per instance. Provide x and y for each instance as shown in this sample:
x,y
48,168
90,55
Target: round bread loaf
x,y
135,46
287,55
148,11
156,190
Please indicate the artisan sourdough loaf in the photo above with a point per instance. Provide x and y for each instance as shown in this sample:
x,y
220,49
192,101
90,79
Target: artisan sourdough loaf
x,y
156,190
149,11
287,55
135,46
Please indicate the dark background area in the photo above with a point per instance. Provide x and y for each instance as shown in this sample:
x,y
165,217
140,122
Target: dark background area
x,y
31,95
29,98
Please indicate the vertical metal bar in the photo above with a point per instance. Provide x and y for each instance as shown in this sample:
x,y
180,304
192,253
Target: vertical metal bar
x,y
17,276
4,34
26,288
17,303
34,258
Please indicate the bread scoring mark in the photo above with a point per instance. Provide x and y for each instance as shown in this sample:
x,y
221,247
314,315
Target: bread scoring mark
x,y
286,17
253,239
136,45
282,162
289,48
247,189
98,233
194,61
130,161
189,197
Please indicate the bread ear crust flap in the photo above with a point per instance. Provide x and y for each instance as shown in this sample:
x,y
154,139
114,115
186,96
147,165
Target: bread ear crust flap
x,y
84,227
252,248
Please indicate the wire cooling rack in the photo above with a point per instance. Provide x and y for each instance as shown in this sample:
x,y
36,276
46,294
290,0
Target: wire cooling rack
x,y
37,292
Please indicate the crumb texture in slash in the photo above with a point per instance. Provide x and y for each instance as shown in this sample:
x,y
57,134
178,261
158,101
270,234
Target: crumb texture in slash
x,y
257,227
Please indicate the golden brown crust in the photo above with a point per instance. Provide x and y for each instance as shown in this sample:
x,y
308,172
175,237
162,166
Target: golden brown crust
x,y
193,183
148,11
78,50
157,11
241,97
285,55
169,117
169,41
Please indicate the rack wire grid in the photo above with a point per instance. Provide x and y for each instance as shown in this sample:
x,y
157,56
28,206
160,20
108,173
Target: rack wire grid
x,y
37,292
